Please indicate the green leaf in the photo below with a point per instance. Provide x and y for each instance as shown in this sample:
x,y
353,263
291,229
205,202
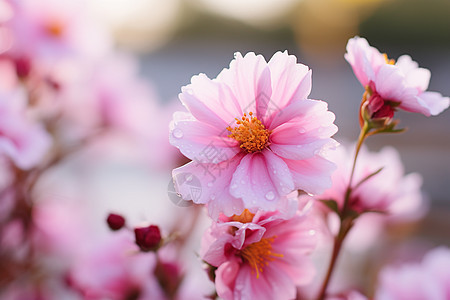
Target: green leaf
x,y
368,177
331,204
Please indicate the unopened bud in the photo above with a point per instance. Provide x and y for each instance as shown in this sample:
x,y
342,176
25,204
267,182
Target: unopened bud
x,y
115,222
148,238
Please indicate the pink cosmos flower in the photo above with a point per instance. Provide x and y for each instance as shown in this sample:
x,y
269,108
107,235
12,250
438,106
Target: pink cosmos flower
x,y
252,134
391,85
260,256
388,191
428,280
21,140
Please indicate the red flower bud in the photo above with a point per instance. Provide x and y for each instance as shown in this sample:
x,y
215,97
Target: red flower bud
x,y
115,222
148,238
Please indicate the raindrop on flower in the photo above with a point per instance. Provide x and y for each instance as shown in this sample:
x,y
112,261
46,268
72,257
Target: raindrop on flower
x,y
189,177
270,195
177,133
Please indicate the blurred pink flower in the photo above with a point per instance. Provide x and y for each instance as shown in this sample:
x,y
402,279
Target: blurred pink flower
x,y
23,141
260,256
253,135
391,84
351,295
51,30
114,269
388,191
428,280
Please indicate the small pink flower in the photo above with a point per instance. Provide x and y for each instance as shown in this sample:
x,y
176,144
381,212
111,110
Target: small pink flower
x,y
23,141
391,85
252,134
388,191
260,256
428,280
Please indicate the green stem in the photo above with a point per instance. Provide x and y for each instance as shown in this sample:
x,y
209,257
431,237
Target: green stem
x,y
344,229
345,218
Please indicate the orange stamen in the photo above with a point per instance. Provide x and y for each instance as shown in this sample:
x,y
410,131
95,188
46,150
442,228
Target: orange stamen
x,y
245,217
250,133
388,61
259,254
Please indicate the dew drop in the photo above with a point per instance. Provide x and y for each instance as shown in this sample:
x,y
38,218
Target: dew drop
x,y
189,178
270,195
302,130
243,182
234,186
210,184
213,197
177,133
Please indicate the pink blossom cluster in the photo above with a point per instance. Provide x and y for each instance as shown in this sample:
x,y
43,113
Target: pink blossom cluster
x,y
258,145
280,198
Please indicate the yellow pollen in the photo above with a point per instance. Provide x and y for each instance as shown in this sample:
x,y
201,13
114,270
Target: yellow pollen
x,y
245,217
259,254
250,133
388,61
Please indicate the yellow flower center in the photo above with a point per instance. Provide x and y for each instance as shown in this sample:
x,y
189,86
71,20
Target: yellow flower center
x,y
250,133
245,217
388,61
259,254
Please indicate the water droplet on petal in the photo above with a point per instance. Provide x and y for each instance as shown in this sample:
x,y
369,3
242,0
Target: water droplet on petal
x,y
302,130
177,133
270,195
213,197
234,186
210,184
243,181
189,177
274,171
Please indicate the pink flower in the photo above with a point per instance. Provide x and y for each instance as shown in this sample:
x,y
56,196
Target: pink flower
x,y
428,280
391,85
114,269
23,141
388,191
252,134
260,256
51,30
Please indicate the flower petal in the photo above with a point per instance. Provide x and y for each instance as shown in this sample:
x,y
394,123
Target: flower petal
x,y
200,141
414,76
203,183
225,279
389,83
210,102
364,59
260,180
249,78
435,102
312,175
290,80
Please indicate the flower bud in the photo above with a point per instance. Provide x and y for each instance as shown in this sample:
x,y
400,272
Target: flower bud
x,y
148,238
115,222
